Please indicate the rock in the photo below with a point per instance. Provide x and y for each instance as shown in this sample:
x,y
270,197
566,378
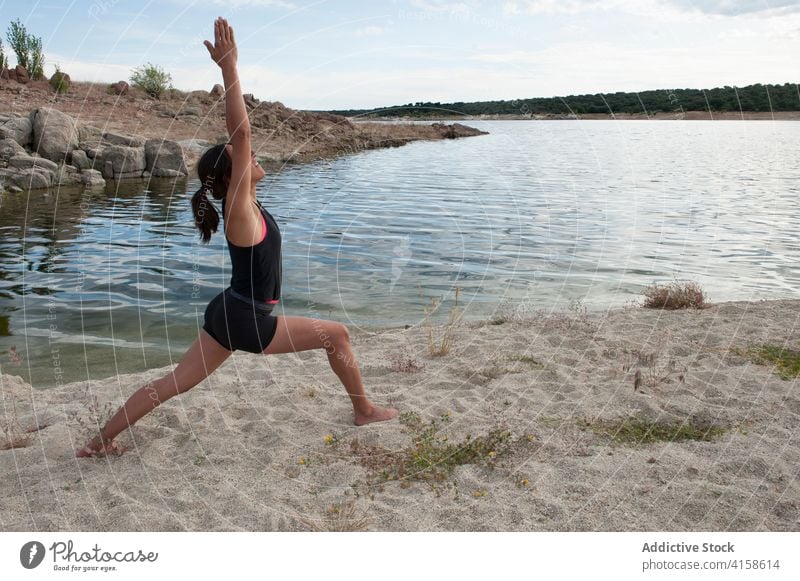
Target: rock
x,y
8,74
194,145
28,179
80,160
167,173
126,140
199,97
66,175
191,112
26,161
217,91
92,178
89,136
456,130
250,100
9,148
123,160
54,133
126,175
120,88
164,155
19,129
22,74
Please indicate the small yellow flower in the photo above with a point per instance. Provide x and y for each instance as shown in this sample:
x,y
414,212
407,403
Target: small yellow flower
x,y
492,454
302,460
530,437
524,482
329,439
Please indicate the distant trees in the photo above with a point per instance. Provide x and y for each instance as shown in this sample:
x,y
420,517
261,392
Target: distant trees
x,y
756,97
28,49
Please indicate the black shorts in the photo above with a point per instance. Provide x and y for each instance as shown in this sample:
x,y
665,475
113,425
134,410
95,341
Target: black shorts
x,y
235,324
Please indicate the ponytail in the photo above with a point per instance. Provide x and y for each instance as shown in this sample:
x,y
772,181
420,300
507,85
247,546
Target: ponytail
x,y
214,171
205,214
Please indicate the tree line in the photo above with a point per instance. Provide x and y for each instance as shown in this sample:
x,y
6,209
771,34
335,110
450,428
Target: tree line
x,y
753,98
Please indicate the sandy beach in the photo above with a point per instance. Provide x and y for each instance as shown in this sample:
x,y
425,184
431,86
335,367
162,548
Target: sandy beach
x,y
529,399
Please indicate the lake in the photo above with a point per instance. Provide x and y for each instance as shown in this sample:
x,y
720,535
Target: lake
x,y
544,214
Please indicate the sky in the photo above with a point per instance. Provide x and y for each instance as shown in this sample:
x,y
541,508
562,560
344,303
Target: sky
x,y
360,54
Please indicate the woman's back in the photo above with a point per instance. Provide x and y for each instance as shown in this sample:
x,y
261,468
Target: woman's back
x,y
257,270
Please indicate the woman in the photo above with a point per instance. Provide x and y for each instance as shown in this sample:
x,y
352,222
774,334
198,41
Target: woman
x,y
240,316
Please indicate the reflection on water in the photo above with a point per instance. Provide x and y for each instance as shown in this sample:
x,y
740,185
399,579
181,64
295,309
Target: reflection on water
x,y
100,283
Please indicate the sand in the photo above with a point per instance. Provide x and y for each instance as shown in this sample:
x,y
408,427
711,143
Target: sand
x,y
246,449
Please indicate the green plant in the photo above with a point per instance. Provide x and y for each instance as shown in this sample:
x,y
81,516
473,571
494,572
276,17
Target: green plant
x,y
637,430
152,79
28,49
676,295
431,457
60,81
786,361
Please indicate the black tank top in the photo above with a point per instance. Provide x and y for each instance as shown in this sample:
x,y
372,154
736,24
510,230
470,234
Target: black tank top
x,y
256,270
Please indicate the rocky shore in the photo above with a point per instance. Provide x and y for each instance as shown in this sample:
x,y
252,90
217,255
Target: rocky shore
x,y
97,133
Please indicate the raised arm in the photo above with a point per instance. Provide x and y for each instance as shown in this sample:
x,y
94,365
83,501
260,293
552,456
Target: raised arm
x,y
225,54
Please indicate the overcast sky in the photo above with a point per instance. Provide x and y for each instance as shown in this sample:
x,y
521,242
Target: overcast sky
x,y
330,54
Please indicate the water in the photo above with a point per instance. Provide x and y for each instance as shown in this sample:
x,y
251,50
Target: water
x,y
96,284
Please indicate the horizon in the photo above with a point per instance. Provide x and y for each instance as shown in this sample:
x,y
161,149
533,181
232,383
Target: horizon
x,y
326,55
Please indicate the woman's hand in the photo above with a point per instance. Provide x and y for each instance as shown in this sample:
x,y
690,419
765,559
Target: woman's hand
x,y
223,51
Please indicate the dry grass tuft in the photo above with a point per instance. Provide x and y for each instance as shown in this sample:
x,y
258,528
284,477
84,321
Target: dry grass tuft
x,y
339,517
675,295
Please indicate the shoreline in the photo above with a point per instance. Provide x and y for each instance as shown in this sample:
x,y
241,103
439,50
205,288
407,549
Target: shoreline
x,y
673,116
553,381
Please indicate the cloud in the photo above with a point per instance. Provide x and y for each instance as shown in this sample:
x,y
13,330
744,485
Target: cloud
x,y
708,7
370,31
738,7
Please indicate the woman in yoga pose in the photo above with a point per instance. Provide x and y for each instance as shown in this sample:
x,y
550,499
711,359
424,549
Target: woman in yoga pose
x,y
240,316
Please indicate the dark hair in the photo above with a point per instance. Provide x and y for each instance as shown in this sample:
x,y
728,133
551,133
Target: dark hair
x,y
214,171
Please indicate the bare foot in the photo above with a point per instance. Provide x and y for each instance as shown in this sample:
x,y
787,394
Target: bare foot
x,y
378,414
95,448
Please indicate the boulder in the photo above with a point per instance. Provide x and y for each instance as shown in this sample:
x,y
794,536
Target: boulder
x,y
28,179
126,140
89,136
164,155
80,160
8,74
92,178
20,129
129,161
54,133
198,97
167,173
21,74
26,161
120,88
66,175
217,92
9,148
250,100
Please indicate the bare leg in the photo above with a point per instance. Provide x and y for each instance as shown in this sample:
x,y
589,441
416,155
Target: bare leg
x,y
301,334
202,358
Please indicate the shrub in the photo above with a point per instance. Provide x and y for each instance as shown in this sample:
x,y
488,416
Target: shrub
x,y
60,81
152,79
28,49
676,295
